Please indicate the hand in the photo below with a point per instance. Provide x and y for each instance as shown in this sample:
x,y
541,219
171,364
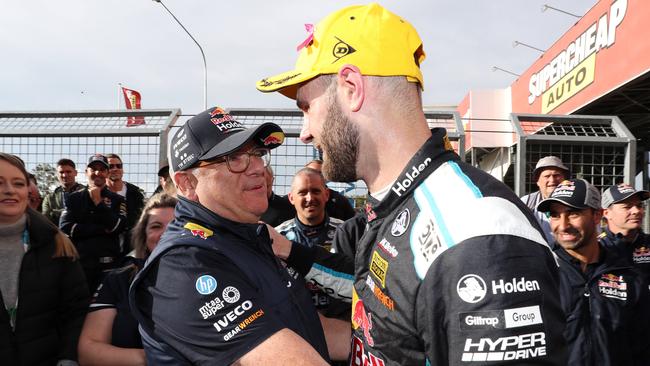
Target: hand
x,y
95,194
281,245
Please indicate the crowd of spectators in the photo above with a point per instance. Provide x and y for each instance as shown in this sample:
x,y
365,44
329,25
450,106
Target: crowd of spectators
x,y
445,265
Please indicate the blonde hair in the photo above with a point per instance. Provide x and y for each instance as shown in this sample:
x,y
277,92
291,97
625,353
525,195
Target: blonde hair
x,y
63,247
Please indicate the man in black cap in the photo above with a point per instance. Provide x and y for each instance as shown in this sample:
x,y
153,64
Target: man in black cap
x,y
624,210
212,292
94,218
604,299
549,172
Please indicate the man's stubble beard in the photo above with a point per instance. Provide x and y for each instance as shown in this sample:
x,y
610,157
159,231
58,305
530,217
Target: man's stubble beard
x,y
340,141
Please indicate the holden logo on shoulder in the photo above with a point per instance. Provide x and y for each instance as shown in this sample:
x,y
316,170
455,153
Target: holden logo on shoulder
x,y
401,223
408,178
471,288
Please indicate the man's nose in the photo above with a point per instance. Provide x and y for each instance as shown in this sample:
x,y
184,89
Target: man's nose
x,y
305,134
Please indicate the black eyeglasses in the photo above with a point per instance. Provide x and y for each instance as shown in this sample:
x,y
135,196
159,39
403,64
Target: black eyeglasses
x,y
112,166
238,162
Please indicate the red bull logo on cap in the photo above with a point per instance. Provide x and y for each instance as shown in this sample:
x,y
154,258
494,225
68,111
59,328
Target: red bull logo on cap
x,y
275,138
217,111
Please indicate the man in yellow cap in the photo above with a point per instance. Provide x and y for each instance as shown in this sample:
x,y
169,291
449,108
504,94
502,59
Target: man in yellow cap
x,y
450,268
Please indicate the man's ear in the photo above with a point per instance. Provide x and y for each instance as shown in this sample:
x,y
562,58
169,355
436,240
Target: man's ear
x,y
186,184
350,81
290,197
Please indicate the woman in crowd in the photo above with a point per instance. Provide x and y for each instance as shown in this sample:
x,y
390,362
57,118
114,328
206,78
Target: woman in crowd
x,y
110,334
42,285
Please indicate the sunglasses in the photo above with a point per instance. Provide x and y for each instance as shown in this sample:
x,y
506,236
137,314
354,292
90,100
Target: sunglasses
x,y
113,166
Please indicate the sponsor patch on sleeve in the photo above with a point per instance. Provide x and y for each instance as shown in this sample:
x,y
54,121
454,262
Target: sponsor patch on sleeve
x,y
198,230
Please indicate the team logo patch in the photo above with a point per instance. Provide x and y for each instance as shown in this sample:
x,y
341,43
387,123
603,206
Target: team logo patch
x,y
380,295
198,230
612,286
401,223
471,288
379,267
387,248
275,138
206,284
361,318
641,255
341,49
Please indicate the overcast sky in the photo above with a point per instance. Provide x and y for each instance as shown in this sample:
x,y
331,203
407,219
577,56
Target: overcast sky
x,y
71,54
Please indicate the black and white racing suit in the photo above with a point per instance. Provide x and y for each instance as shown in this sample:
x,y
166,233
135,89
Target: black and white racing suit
x,y
319,235
452,270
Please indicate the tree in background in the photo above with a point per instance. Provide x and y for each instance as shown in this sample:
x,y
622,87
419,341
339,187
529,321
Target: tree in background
x,y
46,177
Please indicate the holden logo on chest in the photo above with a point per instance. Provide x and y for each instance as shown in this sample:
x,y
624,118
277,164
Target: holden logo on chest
x,y
401,223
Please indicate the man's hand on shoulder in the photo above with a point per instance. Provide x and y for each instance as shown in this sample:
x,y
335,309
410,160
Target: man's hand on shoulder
x,y
281,245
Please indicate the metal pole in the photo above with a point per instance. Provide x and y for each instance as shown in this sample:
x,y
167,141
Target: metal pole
x,y
517,43
205,65
546,6
495,68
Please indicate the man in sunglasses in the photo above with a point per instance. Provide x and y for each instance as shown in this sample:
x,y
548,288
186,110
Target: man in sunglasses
x,y
133,195
212,292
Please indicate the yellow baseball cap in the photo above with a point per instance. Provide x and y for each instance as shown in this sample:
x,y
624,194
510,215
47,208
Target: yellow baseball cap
x,y
370,37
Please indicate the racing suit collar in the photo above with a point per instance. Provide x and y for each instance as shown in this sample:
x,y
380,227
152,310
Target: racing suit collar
x,y
309,230
430,156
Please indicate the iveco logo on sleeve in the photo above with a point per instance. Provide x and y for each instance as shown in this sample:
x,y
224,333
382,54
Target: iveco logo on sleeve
x,y
413,172
471,288
401,223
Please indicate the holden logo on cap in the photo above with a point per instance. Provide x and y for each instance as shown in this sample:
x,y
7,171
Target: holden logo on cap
x,y
342,49
471,288
401,223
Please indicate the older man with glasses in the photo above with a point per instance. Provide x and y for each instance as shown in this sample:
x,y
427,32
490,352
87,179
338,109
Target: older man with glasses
x,y
212,292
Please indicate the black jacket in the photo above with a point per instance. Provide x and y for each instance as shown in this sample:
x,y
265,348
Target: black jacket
x,y
452,268
278,211
636,251
607,310
134,204
338,206
53,299
212,290
94,229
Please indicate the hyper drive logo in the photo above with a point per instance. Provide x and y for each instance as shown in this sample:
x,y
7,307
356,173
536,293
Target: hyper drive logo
x,y
520,347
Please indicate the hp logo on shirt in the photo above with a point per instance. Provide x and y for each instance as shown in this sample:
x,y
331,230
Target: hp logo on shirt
x,y
206,285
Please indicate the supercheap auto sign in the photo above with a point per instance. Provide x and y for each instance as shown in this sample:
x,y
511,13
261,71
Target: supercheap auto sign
x,y
605,49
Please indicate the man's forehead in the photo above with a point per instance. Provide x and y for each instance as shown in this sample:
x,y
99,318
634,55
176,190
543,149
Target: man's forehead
x,y
557,207
552,170
304,178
